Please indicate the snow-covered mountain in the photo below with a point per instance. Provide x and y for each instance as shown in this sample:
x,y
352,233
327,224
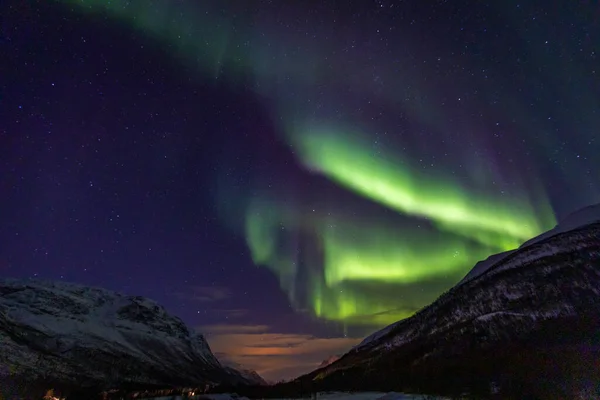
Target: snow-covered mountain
x,y
74,335
528,315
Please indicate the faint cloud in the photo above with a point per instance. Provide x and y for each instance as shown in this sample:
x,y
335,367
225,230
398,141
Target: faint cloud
x,y
232,329
204,294
275,356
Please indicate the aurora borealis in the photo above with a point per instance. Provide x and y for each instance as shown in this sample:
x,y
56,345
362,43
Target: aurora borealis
x,y
317,169
451,228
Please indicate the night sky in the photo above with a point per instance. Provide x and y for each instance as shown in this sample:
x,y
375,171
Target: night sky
x,y
289,176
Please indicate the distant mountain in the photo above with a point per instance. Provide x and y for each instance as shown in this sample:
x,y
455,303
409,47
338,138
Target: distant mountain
x,y
252,377
59,335
521,323
329,361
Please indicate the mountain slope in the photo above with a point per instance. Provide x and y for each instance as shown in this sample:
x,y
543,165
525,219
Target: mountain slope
x,y
252,377
330,360
75,336
522,317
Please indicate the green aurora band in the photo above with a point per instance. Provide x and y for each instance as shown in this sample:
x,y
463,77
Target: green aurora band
x,y
378,176
467,227
344,268
345,253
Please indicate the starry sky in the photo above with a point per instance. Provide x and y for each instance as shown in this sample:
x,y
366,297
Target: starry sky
x,y
288,177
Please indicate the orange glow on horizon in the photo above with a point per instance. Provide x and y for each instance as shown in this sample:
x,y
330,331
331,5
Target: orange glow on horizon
x,y
274,356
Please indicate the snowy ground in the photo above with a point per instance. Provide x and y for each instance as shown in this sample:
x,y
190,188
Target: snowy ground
x,y
324,396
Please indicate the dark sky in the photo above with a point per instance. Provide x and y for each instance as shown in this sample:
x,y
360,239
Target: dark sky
x,y
289,176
